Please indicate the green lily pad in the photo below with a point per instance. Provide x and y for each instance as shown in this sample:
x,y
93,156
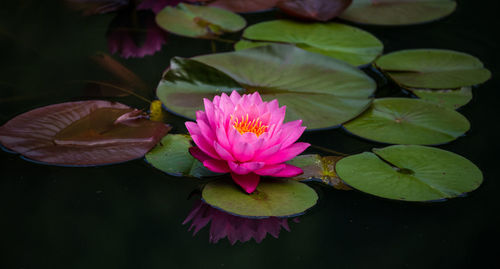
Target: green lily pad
x,y
272,198
410,173
397,12
172,156
408,121
319,169
336,40
320,90
433,68
199,21
452,98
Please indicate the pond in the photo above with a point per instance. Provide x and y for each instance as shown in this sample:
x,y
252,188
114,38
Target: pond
x,y
130,215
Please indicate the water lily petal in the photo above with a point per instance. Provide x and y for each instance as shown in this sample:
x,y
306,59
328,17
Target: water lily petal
x,y
288,171
270,170
199,154
288,153
217,166
248,182
223,153
200,141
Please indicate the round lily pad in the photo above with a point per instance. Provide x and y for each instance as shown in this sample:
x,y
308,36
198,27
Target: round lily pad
x,y
408,121
410,173
272,198
433,68
320,90
336,40
397,12
319,169
452,98
172,156
82,133
199,21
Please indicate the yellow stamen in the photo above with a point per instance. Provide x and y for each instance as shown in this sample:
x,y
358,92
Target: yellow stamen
x,y
244,125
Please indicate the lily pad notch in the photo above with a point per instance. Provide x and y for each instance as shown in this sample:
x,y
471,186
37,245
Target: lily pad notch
x,y
327,93
410,173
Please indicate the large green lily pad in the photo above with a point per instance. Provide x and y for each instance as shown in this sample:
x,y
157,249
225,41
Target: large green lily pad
x,y
199,21
397,12
320,90
408,121
336,40
433,68
172,156
319,169
452,98
272,198
410,173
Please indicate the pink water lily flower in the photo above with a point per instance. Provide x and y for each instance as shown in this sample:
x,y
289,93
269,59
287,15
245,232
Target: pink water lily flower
x,y
246,137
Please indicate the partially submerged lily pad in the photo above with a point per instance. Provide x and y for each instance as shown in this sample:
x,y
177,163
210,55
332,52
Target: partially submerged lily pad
x,y
408,121
272,198
336,40
433,68
319,169
397,12
452,98
410,173
199,21
82,133
172,156
319,10
320,90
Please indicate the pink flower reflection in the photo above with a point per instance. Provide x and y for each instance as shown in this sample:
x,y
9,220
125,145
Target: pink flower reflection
x,y
129,40
233,227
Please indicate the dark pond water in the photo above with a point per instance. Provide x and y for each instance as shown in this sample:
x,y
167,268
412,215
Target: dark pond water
x,y
129,215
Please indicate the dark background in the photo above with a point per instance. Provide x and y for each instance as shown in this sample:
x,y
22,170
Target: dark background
x,y
129,215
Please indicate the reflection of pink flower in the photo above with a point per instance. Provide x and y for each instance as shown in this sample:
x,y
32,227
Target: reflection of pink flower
x,y
157,5
233,227
247,137
136,41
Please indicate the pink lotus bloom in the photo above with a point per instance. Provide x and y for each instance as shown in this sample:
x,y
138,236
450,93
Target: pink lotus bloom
x,y
233,227
246,137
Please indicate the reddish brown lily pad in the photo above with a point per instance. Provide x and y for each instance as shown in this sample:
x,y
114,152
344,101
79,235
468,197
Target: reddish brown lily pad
x,y
319,10
84,133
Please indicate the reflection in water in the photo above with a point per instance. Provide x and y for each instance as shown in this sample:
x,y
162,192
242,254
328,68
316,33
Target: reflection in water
x,y
135,34
233,227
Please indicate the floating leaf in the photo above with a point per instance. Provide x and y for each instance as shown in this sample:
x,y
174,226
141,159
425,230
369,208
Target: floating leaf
x,y
199,21
410,173
408,121
272,198
82,133
320,169
320,90
452,98
172,156
433,68
397,12
320,10
336,40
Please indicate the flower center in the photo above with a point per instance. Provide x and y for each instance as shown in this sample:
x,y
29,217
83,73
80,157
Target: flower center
x,y
244,125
